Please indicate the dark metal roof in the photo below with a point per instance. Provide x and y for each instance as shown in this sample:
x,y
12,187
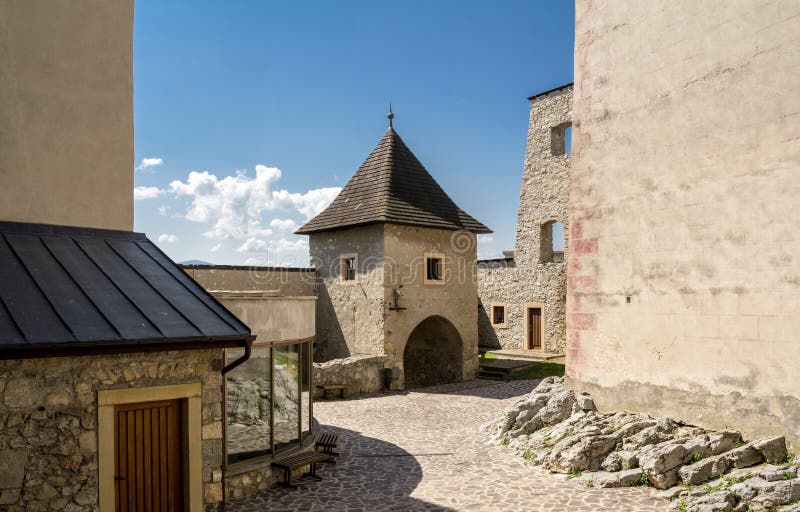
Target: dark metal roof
x,y
392,186
548,91
70,290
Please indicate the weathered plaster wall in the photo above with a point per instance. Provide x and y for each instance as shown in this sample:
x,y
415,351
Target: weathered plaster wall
x,y
544,197
273,319
48,423
287,282
685,181
455,300
66,112
349,313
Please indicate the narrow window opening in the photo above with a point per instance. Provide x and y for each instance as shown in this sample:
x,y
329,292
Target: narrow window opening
x,y
551,242
434,269
561,139
349,265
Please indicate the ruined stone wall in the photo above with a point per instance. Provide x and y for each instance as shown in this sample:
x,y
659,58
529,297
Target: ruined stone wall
x,y
48,423
363,374
349,313
684,290
544,197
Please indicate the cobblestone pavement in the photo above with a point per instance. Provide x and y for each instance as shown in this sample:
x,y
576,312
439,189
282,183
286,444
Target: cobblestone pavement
x,y
423,451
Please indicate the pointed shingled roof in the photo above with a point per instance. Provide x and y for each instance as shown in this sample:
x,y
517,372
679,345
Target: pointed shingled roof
x,y
392,186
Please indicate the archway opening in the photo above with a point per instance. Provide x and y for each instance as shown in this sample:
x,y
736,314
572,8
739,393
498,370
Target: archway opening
x,y
433,354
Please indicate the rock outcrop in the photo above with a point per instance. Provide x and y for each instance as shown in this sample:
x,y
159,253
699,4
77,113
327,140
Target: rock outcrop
x,y
564,433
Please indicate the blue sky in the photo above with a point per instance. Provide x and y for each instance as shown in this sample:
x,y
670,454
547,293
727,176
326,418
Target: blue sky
x,y
250,115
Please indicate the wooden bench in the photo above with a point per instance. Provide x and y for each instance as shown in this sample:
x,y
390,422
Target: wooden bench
x,y
295,462
326,389
326,443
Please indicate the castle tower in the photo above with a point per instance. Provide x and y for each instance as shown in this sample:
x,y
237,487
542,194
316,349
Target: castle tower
x,y
396,263
523,296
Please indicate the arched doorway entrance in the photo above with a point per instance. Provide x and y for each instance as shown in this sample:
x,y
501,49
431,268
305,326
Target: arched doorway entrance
x,y
433,354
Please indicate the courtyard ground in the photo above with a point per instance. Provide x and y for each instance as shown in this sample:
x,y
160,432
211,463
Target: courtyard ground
x,y
423,450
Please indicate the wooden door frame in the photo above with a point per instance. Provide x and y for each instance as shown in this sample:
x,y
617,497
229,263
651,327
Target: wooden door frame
x,y
526,321
190,395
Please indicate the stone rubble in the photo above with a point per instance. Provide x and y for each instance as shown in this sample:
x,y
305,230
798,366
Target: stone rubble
x,y
562,432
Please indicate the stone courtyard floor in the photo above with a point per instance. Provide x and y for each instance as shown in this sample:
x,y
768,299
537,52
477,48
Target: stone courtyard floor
x,y
423,450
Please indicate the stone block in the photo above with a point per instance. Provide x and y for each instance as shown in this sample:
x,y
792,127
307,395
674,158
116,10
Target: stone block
x,y
12,471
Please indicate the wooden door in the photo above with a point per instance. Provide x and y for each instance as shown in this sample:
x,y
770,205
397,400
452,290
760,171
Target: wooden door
x,y
535,328
149,467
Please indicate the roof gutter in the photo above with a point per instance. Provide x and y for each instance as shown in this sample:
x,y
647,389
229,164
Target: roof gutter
x,y
248,348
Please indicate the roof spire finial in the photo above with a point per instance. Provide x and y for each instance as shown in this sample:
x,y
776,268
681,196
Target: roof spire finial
x,y
390,115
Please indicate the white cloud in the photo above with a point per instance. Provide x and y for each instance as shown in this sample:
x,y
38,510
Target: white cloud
x,y
167,239
216,247
148,164
252,245
485,238
163,210
140,193
284,224
235,205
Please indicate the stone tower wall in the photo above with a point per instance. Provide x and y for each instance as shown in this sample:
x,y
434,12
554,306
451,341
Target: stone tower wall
x,y
349,314
525,280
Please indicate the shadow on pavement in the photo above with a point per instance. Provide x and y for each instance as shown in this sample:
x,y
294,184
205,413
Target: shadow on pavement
x,y
369,475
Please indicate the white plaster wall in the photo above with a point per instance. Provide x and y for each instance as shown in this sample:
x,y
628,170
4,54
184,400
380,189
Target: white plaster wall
x,y
686,174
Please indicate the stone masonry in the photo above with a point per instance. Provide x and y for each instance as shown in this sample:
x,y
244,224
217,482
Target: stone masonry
x,y
48,423
533,277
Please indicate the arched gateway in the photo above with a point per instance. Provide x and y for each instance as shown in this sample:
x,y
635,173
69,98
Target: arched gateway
x,y
433,354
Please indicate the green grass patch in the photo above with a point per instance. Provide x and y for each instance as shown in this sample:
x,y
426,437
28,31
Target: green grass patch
x,y
573,474
539,371
644,481
485,356
696,458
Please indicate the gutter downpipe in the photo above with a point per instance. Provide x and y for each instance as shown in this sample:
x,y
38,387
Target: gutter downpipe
x,y
248,348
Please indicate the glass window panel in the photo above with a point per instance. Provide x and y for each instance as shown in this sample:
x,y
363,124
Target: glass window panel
x,y
247,405
305,389
287,396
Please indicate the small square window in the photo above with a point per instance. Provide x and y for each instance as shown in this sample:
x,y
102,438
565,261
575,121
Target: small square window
x,y
349,265
499,315
498,312
434,268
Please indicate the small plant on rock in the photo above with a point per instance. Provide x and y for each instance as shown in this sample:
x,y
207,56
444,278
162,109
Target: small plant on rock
x,y
527,455
573,474
644,481
789,458
505,442
787,475
696,458
682,506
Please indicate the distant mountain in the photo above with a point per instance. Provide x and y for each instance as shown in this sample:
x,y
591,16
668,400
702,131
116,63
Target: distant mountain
x,y
194,262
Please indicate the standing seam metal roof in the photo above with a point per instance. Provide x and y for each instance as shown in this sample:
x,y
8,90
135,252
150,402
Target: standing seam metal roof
x,y
392,186
83,288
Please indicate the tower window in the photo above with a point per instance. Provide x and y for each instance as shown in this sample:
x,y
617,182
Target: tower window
x,y
434,268
561,139
551,242
349,265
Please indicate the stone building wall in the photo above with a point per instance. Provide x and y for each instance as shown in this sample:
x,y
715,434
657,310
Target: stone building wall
x,y
529,278
453,300
349,313
684,271
48,423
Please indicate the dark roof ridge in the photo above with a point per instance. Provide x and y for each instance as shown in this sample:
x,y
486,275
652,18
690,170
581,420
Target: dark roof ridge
x,y
548,91
392,186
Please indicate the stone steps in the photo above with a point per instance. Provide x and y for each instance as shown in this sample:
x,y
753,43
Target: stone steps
x,y
531,355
